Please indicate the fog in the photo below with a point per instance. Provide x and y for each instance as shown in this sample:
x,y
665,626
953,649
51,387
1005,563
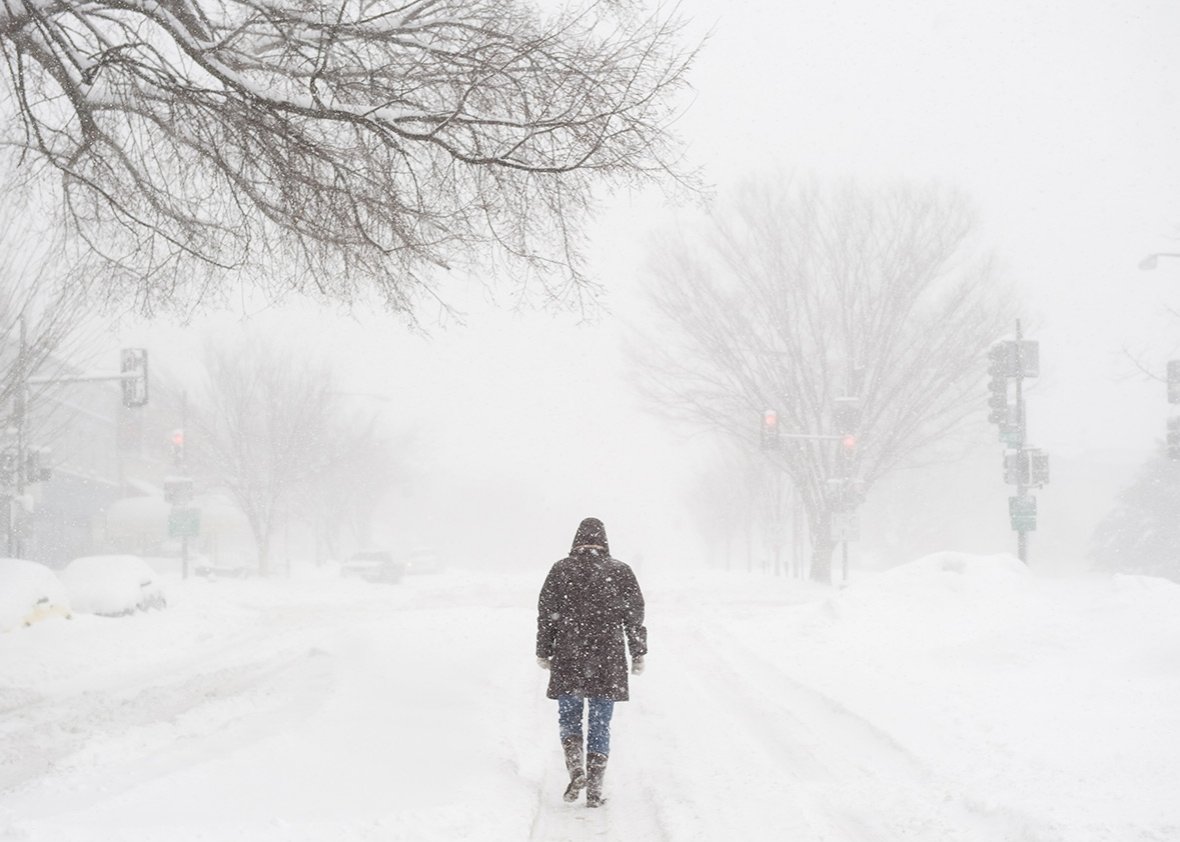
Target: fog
x,y
933,688
1059,123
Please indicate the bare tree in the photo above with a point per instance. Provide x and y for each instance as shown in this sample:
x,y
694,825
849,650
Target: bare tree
x,y
45,322
797,296
334,144
262,429
46,329
46,325
358,469
740,499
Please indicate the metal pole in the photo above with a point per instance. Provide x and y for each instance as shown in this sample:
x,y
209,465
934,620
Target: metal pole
x,y
184,467
844,568
1021,488
22,407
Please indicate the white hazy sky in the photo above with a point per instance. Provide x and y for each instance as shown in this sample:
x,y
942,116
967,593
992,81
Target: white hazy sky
x,y
1061,121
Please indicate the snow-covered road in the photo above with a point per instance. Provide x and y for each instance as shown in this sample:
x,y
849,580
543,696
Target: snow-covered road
x,y
329,710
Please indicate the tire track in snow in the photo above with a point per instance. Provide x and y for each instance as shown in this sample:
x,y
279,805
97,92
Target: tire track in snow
x,y
708,768
216,711
856,773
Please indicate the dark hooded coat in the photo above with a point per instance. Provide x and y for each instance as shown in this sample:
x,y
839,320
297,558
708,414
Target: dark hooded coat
x,y
589,613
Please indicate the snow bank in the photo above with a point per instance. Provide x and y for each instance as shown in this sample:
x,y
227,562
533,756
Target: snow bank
x,y
1039,696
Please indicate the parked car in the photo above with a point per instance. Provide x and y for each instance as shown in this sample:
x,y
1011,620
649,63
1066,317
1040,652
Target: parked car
x,y
112,585
374,566
422,560
29,592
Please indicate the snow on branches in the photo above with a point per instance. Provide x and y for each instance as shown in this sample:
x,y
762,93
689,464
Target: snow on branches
x,y
334,143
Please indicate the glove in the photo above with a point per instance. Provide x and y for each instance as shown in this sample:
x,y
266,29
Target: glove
x,y
543,663
637,665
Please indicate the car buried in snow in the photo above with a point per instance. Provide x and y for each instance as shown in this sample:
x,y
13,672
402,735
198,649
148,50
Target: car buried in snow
x,y
112,585
29,592
374,566
422,560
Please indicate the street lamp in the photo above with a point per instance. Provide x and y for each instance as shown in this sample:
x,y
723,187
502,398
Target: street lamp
x,y
1152,260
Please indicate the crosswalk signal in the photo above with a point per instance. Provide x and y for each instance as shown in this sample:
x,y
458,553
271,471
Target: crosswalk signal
x,y
37,465
846,414
1173,381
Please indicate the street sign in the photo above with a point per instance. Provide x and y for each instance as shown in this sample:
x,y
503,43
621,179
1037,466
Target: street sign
x,y
178,490
1023,513
1012,435
184,523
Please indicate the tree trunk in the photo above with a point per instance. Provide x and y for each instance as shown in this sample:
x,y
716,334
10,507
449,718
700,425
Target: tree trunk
x,y
822,547
263,543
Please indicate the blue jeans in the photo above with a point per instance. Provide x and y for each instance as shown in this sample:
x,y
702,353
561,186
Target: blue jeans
x,y
569,720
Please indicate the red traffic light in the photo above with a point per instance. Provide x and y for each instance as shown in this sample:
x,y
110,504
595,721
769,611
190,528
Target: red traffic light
x,y
177,438
770,418
849,443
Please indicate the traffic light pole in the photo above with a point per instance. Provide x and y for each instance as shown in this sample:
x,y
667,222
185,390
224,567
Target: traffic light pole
x,y
183,466
1021,487
16,542
1024,467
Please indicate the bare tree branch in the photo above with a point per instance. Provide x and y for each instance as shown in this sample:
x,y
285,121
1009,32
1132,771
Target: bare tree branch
x,y
334,144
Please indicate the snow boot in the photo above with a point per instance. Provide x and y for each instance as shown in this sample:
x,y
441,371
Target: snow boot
x,y
595,770
572,746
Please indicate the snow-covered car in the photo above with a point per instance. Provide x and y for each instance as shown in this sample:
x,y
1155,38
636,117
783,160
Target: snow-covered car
x,y
374,566
112,585
422,560
29,592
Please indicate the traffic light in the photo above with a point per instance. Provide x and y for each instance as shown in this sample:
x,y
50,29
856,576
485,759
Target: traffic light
x,y
1173,381
176,441
846,414
845,493
134,368
8,467
771,438
998,371
848,445
37,465
1174,437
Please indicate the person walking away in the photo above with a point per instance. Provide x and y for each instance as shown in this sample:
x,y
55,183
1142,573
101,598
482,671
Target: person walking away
x,y
589,615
